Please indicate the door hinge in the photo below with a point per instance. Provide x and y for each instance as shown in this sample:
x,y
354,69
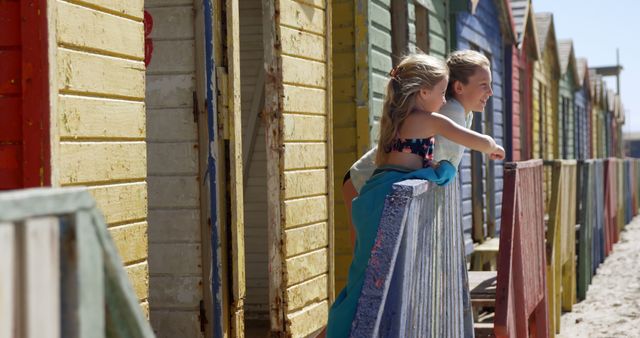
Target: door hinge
x,y
196,111
203,317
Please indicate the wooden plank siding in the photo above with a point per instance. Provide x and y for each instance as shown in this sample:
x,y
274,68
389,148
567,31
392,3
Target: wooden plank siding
x,y
482,30
175,257
369,37
98,118
255,181
581,104
521,57
345,128
583,109
299,147
568,85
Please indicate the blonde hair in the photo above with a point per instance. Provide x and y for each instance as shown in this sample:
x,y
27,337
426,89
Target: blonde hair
x,y
462,65
413,73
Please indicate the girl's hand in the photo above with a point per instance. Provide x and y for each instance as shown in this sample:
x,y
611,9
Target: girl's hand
x,y
497,154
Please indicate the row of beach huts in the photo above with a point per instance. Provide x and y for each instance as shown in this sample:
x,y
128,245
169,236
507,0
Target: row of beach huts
x,y
214,134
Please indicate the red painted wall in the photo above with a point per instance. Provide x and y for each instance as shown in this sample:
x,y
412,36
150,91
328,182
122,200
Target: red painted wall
x,y
24,95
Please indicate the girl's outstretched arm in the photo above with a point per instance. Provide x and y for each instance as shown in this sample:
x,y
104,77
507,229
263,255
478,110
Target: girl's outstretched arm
x,y
466,137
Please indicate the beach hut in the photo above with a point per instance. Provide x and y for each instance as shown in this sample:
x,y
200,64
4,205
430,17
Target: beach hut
x,y
519,61
159,148
582,111
597,114
240,173
569,84
72,111
368,38
484,26
545,90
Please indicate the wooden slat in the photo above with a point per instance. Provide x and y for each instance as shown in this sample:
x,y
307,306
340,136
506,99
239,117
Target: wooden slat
x,y
302,44
173,158
308,320
172,23
304,128
173,192
102,161
306,266
305,210
171,125
10,119
174,292
41,273
84,117
94,30
8,291
303,72
175,258
307,293
170,91
10,72
138,276
176,324
131,8
181,225
305,155
302,16
304,100
305,239
131,241
302,183
78,72
121,202
175,56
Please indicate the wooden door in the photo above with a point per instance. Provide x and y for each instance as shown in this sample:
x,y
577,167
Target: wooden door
x,y
24,95
298,124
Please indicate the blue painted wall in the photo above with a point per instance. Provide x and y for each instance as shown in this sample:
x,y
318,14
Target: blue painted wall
x,y
472,31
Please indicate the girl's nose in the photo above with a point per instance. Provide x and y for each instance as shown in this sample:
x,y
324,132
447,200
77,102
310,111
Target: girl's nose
x,y
490,90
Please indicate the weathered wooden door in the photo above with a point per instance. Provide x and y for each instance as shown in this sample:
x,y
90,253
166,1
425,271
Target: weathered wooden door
x,y
24,95
298,120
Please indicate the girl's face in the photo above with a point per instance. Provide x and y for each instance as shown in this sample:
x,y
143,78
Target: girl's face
x,y
474,95
432,100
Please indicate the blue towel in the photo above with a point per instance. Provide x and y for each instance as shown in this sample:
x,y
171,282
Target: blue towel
x,y
366,212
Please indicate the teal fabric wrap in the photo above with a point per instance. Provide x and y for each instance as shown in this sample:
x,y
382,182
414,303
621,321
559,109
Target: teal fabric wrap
x,y
366,213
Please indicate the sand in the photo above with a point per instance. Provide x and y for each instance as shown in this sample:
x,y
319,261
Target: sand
x,y
612,305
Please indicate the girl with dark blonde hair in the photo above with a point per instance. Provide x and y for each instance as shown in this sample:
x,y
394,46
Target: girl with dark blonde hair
x,y
410,123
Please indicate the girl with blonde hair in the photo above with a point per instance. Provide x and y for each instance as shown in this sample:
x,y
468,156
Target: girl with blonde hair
x,y
410,123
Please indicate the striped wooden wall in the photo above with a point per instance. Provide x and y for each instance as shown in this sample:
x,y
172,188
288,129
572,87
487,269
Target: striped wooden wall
x,y
255,161
345,129
380,63
482,30
567,89
299,163
98,122
539,93
175,257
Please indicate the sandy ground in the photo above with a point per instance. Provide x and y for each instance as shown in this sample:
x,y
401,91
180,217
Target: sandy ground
x,y
612,306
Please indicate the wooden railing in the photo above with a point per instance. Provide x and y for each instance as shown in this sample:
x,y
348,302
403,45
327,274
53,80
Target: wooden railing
x,y
419,242
60,273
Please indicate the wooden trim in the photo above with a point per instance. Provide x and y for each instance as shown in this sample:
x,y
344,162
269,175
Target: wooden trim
x,y
35,95
273,107
207,308
235,182
361,32
330,168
